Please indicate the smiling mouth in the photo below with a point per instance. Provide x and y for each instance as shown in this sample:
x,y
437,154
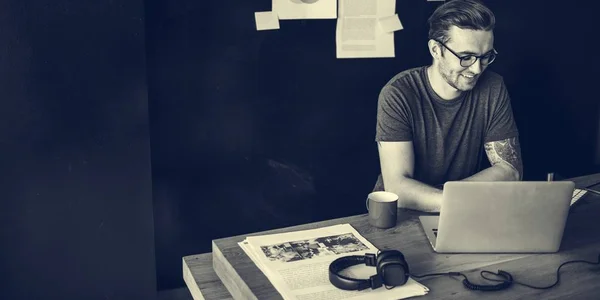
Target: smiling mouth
x,y
468,77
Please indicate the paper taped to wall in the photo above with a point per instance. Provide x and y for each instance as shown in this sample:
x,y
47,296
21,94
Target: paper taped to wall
x,y
266,20
390,23
358,34
305,9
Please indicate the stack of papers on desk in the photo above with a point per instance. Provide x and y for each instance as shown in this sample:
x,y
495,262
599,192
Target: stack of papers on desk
x,y
297,264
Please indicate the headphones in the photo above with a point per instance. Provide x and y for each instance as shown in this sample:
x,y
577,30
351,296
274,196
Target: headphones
x,y
392,270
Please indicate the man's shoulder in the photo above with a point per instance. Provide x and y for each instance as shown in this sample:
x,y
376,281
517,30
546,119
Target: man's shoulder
x,y
491,79
491,87
406,75
405,80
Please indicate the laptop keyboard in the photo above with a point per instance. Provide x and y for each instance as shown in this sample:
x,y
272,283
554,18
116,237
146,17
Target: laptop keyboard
x,y
577,194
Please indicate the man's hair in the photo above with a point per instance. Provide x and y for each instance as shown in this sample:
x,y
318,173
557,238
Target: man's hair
x,y
464,14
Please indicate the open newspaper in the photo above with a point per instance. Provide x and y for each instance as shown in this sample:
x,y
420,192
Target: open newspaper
x,y
297,264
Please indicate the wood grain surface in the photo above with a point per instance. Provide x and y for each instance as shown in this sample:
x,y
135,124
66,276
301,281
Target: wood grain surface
x,y
201,279
244,280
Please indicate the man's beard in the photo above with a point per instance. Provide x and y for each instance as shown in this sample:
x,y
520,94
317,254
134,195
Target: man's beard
x,y
454,82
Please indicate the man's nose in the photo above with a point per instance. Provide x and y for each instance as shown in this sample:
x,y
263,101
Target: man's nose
x,y
476,68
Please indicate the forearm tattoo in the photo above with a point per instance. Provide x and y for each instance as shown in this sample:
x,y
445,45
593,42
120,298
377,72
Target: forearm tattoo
x,y
507,151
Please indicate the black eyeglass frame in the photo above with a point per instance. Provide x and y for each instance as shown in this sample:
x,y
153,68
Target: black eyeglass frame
x,y
491,56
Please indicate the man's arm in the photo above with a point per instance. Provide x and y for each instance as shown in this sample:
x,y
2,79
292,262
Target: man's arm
x,y
505,160
397,169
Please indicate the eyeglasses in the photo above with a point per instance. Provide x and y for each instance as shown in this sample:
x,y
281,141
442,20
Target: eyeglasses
x,y
469,60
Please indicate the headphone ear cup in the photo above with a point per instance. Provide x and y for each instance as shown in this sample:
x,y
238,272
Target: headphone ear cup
x,y
387,254
382,256
393,274
392,267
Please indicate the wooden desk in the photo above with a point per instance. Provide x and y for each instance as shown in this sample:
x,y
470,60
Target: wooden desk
x,y
244,280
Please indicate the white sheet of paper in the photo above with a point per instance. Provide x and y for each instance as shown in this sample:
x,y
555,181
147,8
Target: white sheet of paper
x,y
358,34
390,23
305,9
266,20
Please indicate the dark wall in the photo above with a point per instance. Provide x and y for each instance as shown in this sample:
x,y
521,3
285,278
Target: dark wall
x,y
255,130
76,203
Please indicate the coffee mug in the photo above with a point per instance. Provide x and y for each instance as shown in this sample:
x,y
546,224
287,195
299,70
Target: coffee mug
x,y
383,209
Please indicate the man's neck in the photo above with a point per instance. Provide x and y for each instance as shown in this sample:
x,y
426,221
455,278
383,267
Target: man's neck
x,y
440,86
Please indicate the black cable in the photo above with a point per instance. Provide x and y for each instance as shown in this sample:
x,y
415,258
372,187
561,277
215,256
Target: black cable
x,y
557,274
469,285
507,280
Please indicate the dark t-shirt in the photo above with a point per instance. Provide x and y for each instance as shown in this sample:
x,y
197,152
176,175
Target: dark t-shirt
x,y
448,135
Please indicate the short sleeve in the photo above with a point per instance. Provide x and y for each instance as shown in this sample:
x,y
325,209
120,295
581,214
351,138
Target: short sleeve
x,y
393,116
501,124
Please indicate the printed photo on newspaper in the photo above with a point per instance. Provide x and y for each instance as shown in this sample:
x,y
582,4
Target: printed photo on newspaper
x,y
297,263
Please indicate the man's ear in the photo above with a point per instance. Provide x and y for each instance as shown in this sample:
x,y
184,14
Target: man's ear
x,y
434,49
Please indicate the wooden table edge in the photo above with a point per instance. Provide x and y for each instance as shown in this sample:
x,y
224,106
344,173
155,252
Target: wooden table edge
x,y
190,282
201,279
222,267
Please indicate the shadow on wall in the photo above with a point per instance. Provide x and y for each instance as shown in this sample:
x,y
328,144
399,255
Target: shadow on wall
x,y
540,115
248,195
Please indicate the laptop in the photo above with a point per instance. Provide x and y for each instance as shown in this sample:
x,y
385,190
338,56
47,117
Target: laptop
x,y
500,217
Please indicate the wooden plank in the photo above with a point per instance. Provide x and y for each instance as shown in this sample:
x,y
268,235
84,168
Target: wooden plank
x,y
245,281
238,288
201,279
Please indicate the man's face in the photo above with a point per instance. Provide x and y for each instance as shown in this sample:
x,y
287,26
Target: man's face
x,y
464,42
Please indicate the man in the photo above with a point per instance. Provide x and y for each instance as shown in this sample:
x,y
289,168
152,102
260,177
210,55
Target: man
x,y
433,121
